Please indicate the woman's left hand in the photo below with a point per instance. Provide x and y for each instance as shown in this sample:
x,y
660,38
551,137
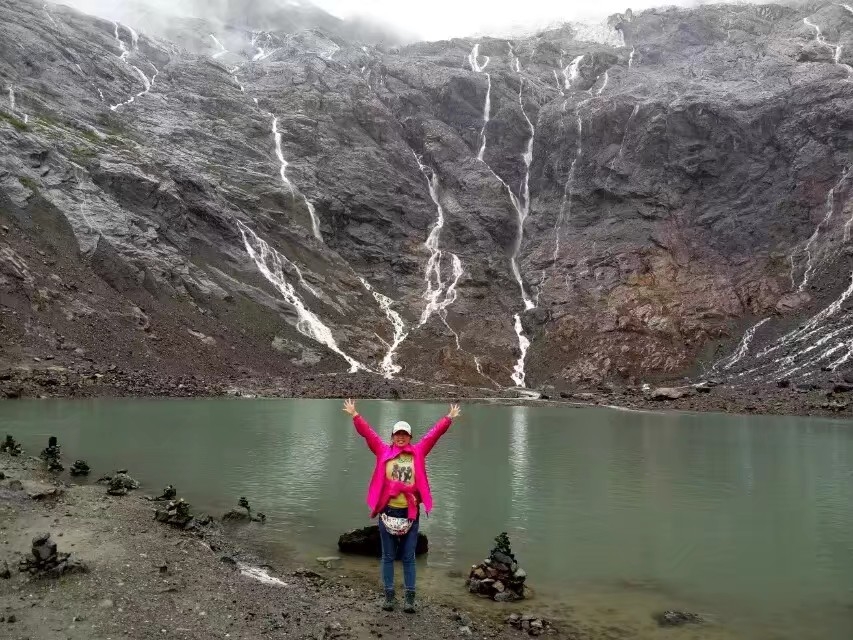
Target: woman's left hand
x,y
454,411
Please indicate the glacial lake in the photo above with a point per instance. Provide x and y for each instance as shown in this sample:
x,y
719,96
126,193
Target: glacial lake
x,y
613,514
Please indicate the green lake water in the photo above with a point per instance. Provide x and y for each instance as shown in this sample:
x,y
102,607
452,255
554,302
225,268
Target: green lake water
x,y
613,514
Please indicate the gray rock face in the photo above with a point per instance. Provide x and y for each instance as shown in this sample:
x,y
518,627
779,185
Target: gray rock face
x,y
300,201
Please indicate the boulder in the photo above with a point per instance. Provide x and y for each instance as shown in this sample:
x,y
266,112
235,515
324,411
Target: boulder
x,y
792,301
669,393
366,542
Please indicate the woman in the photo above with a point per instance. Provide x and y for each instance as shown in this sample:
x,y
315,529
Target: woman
x,y
398,488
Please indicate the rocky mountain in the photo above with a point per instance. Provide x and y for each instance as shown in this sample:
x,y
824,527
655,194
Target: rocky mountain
x,y
660,196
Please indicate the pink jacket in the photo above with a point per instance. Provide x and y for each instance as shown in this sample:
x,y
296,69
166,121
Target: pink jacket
x,y
385,452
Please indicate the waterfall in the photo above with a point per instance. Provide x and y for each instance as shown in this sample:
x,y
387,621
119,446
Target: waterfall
x,y
146,83
603,84
50,17
557,80
222,50
522,207
566,203
520,203
742,348
260,52
124,55
121,45
280,155
518,375
811,263
571,72
387,367
818,35
134,37
283,164
11,98
473,60
810,346
270,263
434,283
514,62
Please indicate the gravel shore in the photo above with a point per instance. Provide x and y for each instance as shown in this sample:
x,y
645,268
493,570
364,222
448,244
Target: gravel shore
x,y
149,580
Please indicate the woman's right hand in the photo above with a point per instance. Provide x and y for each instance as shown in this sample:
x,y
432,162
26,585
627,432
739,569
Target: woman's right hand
x,y
349,407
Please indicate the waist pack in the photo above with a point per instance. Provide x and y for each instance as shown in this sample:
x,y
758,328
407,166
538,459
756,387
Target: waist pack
x,y
396,526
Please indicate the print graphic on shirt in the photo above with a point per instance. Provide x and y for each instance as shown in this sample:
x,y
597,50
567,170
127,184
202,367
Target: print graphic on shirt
x,y
400,469
402,473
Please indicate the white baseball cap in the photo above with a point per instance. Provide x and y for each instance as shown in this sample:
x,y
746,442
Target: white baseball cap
x,y
401,426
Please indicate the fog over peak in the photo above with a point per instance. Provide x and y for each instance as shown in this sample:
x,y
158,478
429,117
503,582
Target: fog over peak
x,y
388,21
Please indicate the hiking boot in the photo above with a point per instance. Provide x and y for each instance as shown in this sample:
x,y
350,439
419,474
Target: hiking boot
x,y
409,604
390,601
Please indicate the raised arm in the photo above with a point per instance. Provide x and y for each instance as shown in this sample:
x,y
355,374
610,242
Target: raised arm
x,y
439,429
374,442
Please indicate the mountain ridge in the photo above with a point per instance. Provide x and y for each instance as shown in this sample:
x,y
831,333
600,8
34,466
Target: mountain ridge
x,y
622,209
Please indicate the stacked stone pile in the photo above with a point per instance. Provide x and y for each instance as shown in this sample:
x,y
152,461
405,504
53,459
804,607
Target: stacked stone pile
x,y
79,468
498,577
119,483
10,446
47,561
51,454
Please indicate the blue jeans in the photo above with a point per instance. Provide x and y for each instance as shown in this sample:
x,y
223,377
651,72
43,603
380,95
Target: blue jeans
x,y
398,546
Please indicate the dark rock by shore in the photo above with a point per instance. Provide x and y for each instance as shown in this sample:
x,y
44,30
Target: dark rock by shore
x,y
366,542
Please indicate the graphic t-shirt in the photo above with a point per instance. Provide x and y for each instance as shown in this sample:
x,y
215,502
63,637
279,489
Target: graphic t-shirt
x,y
401,469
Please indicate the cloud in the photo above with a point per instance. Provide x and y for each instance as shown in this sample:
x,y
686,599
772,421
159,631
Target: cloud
x,y
440,19
433,20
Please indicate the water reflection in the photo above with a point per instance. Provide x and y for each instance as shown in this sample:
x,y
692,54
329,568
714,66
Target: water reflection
x,y
519,460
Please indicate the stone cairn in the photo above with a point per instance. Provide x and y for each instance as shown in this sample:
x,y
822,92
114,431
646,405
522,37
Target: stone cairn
x,y
498,577
51,454
169,493
531,625
79,468
671,618
47,562
119,483
239,516
176,513
10,446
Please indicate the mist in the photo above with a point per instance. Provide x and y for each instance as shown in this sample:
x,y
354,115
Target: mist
x,y
390,21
